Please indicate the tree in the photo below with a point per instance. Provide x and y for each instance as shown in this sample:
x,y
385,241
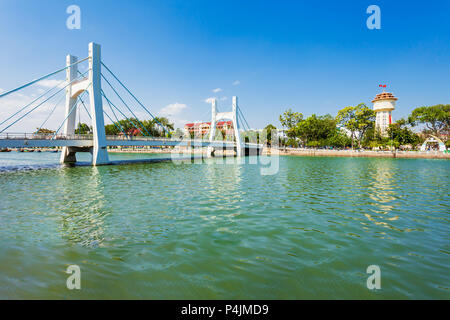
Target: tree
x,y
268,129
315,130
44,131
133,126
290,120
435,118
111,130
291,142
365,120
338,139
401,134
356,119
157,122
82,128
347,119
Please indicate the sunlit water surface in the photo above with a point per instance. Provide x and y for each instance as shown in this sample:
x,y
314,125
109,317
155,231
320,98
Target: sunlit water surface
x,y
224,231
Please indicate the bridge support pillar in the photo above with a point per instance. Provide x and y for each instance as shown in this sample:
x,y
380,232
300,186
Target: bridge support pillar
x,y
212,130
71,115
210,152
236,127
68,156
100,152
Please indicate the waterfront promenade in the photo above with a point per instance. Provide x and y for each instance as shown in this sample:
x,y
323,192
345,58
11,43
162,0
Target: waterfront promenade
x,y
315,153
365,153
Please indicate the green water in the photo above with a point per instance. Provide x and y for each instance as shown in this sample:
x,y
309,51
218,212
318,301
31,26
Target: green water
x,y
224,231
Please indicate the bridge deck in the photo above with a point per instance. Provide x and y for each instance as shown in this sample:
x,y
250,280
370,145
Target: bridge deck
x,y
48,141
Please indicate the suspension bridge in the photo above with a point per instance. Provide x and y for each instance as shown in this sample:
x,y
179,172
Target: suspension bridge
x,y
75,86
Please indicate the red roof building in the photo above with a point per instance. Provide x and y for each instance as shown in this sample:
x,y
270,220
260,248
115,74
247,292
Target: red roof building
x,y
203,128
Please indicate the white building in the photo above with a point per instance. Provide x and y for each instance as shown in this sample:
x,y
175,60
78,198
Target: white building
x,y
383,105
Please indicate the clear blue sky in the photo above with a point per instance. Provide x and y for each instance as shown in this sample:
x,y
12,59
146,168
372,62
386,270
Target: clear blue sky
x,y
311,56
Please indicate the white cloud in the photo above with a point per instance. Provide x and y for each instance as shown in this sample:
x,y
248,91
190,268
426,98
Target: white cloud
x,y
173,112
13,103
52,83
1,90
236,83
216,90
210,99
173,109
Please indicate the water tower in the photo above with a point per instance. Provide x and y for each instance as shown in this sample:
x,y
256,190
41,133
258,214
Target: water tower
x,y
383,105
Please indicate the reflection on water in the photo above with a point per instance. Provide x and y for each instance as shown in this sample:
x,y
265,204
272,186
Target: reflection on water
x,y
382,192
83,221
223,230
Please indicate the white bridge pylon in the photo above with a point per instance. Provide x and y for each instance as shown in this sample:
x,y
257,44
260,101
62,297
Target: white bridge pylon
x,y
91,84
225,116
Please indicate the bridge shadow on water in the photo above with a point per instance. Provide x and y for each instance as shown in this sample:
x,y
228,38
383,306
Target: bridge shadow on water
x,y
134,161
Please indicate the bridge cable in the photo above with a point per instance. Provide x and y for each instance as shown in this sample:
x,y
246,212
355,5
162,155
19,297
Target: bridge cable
x,y
121,130
109,102
85,108
31,103
134,97
114,113
117,123
41,103
239,120
242,116
70,112
239,109
244,125
79,112
82,102
125,104
51,113
41,78
117,119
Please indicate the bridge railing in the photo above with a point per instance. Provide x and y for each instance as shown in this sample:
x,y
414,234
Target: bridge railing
x,y
51,136
140,138
43,136
146,138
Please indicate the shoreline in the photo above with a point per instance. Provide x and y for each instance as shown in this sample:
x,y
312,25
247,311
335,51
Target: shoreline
x,y
366,154
296,152
321,153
